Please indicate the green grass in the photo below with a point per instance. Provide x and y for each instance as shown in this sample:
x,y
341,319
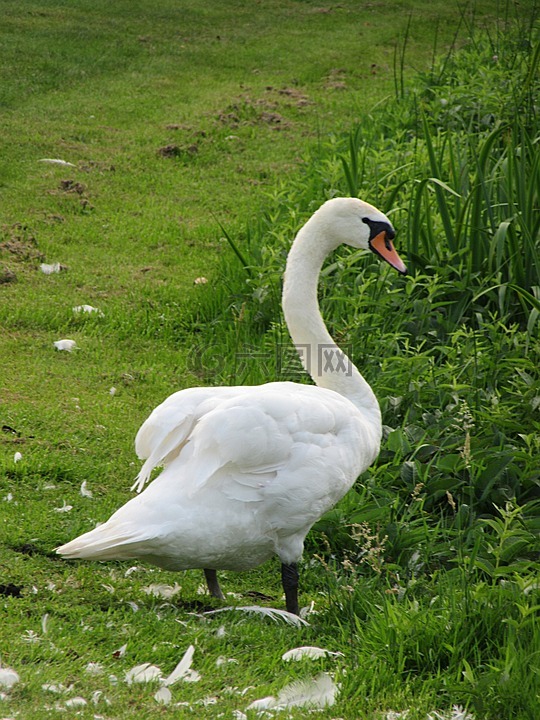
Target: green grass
x,y
195,128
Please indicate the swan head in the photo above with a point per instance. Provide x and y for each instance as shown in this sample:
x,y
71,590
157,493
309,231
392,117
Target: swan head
x,y
356,223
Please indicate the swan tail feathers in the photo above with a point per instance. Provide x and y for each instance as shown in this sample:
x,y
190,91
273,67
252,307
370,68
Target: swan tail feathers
x,y
103,543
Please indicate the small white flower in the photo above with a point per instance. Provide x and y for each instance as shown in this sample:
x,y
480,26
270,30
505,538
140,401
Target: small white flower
x,y
200,281
65,344
17,457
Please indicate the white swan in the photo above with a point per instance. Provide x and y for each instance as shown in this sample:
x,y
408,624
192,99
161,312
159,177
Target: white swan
x,y
248,470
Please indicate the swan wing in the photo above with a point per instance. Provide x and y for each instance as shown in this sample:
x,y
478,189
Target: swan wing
x,y
163,434
279,442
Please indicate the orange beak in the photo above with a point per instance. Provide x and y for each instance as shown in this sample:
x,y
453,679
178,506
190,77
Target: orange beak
x,y
383,246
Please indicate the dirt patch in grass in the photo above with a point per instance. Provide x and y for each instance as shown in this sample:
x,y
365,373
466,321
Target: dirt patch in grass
x,y
20,244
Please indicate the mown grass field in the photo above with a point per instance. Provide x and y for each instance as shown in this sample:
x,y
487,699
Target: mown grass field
x,y
196,127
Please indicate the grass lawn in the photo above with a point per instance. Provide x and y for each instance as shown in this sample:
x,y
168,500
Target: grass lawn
x,y
183,123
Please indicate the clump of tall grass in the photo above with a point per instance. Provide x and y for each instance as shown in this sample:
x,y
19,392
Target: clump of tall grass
x,y
466,188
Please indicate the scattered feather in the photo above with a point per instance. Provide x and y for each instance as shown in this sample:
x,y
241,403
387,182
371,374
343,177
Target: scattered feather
x,y
143,673
192,676
65,344
44,623
50,269
222,660
112,391
17,457
97,697
120,652
162,590
265,703
308,610
57,689
93,668
65,508
183,670
221,632
457,713
88,310
57,161
76,702
238,715
272,613
8,678
85,492
163,696
315,693
308,651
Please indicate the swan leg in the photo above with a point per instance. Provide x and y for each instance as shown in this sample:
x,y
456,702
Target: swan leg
x,y
289,578
213,584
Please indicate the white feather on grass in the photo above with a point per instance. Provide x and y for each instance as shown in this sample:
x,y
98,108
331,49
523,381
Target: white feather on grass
x,y
65,344
317,692
272,613
143,673
162,590
85,492
163,696
457,713
308,651
87,310
183,670
8,678
57,161
50,269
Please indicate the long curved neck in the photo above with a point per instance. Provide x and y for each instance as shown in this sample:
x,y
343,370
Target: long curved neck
x,y
328,365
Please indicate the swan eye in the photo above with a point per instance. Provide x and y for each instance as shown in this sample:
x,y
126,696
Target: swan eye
x,y
376,227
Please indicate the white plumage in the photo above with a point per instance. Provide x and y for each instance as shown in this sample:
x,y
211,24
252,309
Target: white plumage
x,y
248,470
